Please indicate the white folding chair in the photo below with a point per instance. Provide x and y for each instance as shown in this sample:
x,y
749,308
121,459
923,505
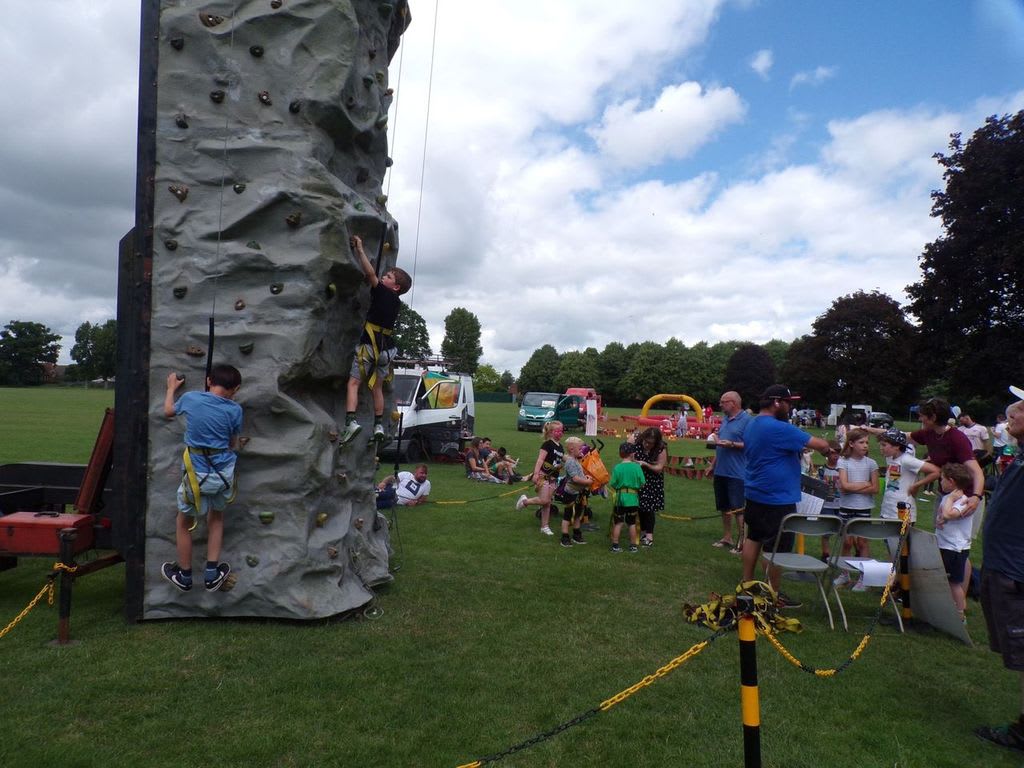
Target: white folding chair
x,y
872,529
827,526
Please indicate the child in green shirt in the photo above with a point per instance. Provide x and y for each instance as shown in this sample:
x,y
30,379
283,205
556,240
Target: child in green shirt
x,y
627,477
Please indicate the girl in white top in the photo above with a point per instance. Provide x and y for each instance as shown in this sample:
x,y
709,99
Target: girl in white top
x,y
858,483
953,529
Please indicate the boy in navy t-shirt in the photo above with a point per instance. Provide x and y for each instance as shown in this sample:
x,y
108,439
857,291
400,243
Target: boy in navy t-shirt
x,y
376,347
213,424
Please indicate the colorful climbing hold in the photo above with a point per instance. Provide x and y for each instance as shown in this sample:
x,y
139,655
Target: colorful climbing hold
x,y
240,305
254,245
239,188
171,245
177,43
179,291
295,106
181,121
256,50
194,351
252,561
246,348
276,288
264,97
216,96
266,516
180,191
294,219
321,519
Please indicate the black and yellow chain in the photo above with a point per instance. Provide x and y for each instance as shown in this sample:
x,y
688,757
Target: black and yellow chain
x,y
48,590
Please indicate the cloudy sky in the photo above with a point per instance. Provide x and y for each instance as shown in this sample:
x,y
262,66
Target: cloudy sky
x,y
594,172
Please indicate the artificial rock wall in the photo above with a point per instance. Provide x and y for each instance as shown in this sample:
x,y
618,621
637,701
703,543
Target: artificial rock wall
x,y
270,152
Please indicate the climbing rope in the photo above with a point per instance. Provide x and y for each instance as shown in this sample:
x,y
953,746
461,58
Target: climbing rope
x,y
604,706
48,590
423,162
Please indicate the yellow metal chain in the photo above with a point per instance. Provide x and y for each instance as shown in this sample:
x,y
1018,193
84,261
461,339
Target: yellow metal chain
x,y
678,661
48,589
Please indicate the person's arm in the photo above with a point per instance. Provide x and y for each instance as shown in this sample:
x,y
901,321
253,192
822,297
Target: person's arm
x,y
173,384
847,487
979,486
659,463
368,270
926,474
542,456
818,444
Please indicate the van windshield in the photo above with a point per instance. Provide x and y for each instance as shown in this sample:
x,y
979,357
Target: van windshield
x,y
540,400
404,387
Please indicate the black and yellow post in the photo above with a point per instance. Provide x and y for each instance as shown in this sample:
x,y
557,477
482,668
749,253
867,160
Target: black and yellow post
x,y
906,614
749,698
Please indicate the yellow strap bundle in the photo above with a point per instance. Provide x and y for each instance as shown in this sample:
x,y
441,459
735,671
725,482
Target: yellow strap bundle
x,y
721,611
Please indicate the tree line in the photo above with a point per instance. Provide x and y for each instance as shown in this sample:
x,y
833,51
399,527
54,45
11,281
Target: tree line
x,y
961,335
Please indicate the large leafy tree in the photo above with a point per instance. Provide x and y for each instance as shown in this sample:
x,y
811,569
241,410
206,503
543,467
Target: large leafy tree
x,y
649,372
538,375
970,299
507,380
750,371
461,344
24,347
576,369
863,340
95,350
612,364
411,335
486,379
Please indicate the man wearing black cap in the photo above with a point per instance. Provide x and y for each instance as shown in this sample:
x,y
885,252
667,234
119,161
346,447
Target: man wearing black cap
x,y
771,483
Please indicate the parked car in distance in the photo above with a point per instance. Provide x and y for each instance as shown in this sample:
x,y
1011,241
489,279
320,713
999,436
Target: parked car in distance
x,y
806,416
538,407
879,419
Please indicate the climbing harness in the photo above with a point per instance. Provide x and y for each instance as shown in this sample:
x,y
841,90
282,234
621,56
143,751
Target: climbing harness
x,y
193,484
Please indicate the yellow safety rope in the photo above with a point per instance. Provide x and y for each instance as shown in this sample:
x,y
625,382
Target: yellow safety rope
x,y
47,589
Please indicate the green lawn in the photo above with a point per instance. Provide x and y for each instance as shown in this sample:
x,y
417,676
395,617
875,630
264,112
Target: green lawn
x,y
490,634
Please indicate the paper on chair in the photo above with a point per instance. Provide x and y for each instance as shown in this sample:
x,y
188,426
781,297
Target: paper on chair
x,y
876,573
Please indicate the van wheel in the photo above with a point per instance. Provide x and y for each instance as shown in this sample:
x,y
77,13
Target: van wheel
x,y
414,451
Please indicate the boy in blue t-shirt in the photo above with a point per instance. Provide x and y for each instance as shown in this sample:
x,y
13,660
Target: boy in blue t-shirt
x,y
212,427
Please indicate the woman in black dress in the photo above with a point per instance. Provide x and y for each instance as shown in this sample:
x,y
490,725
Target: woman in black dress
x,y
651,454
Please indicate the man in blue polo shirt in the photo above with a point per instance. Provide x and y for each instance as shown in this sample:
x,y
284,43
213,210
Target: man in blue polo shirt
x,y
771,484
730,464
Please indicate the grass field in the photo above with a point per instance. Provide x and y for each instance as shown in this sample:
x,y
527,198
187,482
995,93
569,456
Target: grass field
x,y
490,633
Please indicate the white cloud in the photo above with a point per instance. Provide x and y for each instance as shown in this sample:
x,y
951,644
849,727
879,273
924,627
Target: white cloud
x,y
684,117
816,76
761,62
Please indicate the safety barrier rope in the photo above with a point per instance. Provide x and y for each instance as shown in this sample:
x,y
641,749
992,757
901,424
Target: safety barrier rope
x,y
689,518
48,589
482,498
604,706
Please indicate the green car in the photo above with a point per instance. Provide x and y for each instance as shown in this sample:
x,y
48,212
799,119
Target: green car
x,y
538,407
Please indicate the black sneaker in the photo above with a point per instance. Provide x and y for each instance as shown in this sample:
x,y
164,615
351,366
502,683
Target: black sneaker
x,y
615,548
172,572
212,585
578,540
633,548
785,601
1008,736
565,542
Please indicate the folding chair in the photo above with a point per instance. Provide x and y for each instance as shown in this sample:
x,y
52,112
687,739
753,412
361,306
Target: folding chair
x,y
872,529
827,526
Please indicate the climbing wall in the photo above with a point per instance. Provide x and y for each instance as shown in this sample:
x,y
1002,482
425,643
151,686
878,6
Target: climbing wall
x,y
271,148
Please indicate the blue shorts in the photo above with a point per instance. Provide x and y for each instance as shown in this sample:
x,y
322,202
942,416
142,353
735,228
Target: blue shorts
x,y
214,491
728,493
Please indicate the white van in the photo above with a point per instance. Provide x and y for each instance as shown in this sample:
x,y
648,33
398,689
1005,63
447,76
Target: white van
x,y
437,410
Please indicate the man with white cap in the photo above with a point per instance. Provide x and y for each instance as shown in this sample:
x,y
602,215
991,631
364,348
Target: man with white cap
x,y
1002,576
